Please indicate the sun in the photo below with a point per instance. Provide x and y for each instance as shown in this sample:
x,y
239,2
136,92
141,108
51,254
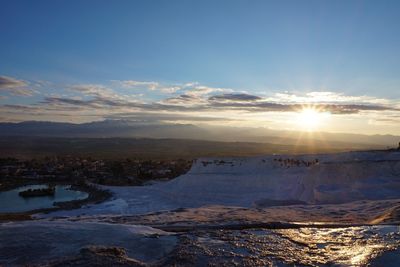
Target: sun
x,y
309,118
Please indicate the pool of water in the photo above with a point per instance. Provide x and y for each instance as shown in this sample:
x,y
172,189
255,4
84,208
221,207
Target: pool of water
x,y
10,201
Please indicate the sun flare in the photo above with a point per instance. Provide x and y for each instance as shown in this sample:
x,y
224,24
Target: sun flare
x,y
309,118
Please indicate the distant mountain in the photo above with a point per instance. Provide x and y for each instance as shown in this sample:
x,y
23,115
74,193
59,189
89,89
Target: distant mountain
x,y
125,128
107,128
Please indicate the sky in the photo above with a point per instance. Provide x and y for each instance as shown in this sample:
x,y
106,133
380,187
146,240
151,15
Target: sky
x,y
299,65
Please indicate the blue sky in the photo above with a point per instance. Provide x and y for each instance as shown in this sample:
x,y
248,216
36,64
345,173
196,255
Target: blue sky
x,y
261,48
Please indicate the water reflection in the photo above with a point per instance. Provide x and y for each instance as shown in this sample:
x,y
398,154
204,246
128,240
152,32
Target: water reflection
x,y
10,201
352,246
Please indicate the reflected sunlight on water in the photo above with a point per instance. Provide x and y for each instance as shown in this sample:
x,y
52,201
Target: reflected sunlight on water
x,y
351,246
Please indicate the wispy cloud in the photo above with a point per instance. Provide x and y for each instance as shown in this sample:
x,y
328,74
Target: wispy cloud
x,y
191,88
138,84
235,97
259,104
152,86
239,102
95,90
9,82
326,97
191,102
14,86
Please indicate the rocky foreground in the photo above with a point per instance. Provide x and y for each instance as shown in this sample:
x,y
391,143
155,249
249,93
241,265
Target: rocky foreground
x,y
101,244
313,210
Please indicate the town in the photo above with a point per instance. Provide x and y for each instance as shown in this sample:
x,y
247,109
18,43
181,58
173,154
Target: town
x,y
99,171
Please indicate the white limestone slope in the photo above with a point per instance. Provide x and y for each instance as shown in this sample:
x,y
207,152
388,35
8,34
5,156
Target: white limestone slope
x,y
336,178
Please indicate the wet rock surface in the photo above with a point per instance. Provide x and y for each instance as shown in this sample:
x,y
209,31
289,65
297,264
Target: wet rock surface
x,y
98,256
352,246
39,242
99,244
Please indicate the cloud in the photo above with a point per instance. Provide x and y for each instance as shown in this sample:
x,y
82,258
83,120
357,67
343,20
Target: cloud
x,y
95,91
8,82
189,103
325,97
14,86
353,108
192,88
20,108
152,86
201,90
193,102
235,97
264,106
183,100
135,84
95,103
